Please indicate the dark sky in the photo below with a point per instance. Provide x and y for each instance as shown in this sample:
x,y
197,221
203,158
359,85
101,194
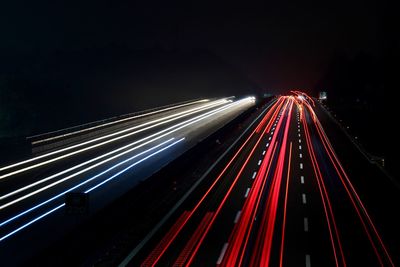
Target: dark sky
x,y
278,44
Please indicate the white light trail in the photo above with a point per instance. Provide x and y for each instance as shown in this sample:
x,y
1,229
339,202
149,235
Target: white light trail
x,y
114,122
62,205
163,133
163,121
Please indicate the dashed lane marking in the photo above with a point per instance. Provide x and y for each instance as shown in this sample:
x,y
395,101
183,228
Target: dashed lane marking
x,y
305,224
308,260
303,198
247,192
222,254
237,216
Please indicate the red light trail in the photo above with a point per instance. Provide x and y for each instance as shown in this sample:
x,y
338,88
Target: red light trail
x,y
261,242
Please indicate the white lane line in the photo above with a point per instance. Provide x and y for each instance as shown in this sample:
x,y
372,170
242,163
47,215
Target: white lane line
x,y
259,162
254,174
304,199
305,224
301,166
299,140
263,153
272,132
221,256
299,135
237,216
247,192
301,155
298,130
300,147
298,126
267,145
302,179
269,138
308,260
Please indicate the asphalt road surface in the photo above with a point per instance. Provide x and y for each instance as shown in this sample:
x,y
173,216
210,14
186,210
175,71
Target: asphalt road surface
x,y
283,199
103,166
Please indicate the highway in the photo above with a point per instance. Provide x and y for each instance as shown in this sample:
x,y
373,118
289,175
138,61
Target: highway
x,y
281,198
101,162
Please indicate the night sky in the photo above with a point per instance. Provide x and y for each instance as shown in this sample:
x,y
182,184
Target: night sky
x,y
65,63
277,44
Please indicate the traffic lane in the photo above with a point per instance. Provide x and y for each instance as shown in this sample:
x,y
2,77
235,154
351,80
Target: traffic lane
x,y
265,216
14,183
194,132
42,233
79,183
64,225
211,203
304,244
120,148
191,202
378,193
216,241
34,174
113,225
257,216
213,245
354,239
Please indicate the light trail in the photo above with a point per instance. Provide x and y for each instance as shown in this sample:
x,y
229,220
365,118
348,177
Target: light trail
x,y
353,193
89,161
80,184
280,102
238,240
155,258
236,250
190,245
284,208
31,222
164,132
110,123
109,179
239,237
269,217
325,199
233,184
160,121
126,169
161,246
